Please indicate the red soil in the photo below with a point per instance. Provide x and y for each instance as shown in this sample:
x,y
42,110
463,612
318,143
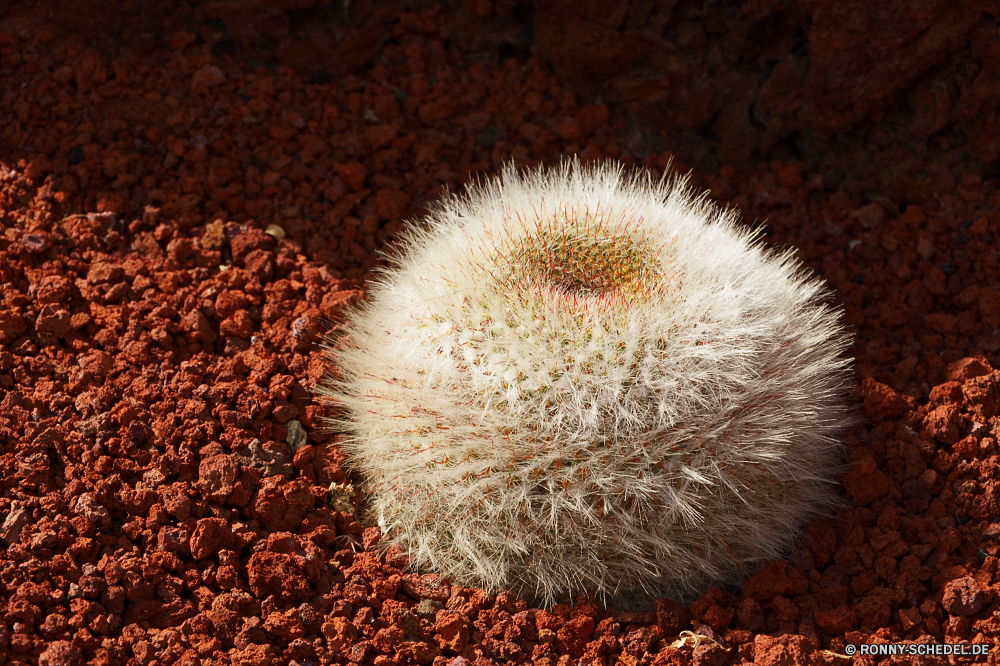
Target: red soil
x,y
158,350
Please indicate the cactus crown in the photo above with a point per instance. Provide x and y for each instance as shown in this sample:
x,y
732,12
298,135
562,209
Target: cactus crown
x,y
573,381
576,254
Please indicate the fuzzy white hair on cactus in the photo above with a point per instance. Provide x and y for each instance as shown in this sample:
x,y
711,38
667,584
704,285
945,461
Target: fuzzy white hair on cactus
x,y
575,380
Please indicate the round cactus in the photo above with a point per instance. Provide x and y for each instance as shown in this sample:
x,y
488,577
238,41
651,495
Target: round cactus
x,y
578,381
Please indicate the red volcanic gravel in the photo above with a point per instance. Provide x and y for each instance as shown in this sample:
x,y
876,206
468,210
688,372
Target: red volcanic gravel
x,y
166,491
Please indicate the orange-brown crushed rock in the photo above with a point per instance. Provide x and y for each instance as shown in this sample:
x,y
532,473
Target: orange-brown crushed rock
x,y
163,478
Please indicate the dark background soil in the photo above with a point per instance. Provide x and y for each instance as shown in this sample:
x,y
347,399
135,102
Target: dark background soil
x,y
886,99
158,349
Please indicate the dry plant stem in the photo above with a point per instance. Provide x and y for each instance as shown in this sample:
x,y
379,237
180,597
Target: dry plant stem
x,y
579,381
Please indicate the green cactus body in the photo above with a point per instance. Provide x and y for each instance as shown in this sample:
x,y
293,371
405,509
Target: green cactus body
x,y
579,382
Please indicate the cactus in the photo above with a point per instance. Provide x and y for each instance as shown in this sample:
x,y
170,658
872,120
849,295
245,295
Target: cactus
x,y
574,380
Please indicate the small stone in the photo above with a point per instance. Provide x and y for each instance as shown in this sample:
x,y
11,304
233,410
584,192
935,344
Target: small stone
x,y
210,536
59,653
38,168
296,436
214,237
207,76
371,537
963,597
105,273
13,524
36,243
428,608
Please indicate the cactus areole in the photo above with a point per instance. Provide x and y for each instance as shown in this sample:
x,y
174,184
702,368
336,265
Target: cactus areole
x,y
579,381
